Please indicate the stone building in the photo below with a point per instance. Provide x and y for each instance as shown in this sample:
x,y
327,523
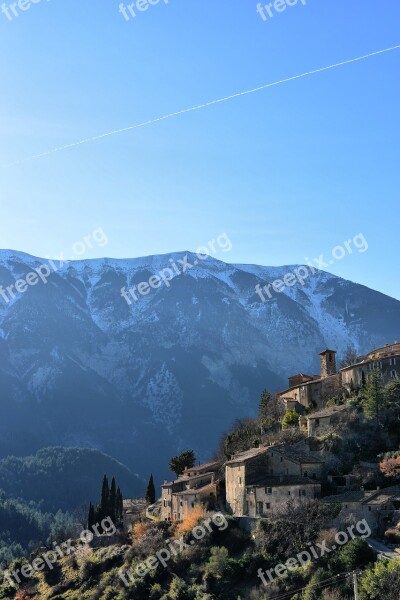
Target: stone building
x,y
323,421
308,391
259,479
199,485
270,493
386,359
312,391
380,508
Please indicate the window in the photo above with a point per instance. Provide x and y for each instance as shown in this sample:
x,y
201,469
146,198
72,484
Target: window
x,y
289,493
302,493
239,480
369,508
393,374
305,473
392,362
281,458
267,505
268,490
259,508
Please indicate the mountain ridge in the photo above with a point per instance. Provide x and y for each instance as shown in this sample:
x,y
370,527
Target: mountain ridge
x,y
79,366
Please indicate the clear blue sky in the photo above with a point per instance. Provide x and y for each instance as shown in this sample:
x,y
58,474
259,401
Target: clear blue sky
x,y
288,172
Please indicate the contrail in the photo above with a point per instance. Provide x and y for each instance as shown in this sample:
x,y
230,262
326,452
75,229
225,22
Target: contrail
x,y
199,106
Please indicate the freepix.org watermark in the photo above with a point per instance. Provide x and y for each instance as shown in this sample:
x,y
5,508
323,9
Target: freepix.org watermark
x,y
303,272
176,268
13,10
50,558
130,11
315,552
43,272
267,11
162,557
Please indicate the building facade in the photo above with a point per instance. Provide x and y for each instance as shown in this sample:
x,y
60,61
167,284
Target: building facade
x,y
196,486
386,360
312,391
259,480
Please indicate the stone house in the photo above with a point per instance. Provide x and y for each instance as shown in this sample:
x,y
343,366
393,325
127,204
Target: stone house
x,y
288,473
265,496
323,421
199,485
308,391
386,359
380,508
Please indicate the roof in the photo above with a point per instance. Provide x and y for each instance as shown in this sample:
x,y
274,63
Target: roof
x,y
296,457
210,487
327,350
353,496
327,412
367,497
186,478
203,467
281,481
248,455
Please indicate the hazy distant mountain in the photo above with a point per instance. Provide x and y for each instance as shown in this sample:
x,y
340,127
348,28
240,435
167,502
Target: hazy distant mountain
x,y
80,367
64,478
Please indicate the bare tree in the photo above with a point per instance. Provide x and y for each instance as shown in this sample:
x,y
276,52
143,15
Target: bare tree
x,y
349,358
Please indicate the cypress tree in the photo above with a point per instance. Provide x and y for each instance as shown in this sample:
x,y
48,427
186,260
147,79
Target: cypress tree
x,y
151,491
120,505
105,498
113,500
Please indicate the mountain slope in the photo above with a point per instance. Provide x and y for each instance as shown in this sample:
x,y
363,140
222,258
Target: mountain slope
x,y
81,367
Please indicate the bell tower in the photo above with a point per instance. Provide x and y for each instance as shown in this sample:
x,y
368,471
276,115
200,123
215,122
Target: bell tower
x,y
328,363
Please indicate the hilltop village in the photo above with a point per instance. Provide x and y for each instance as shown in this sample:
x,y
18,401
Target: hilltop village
x,y
324,413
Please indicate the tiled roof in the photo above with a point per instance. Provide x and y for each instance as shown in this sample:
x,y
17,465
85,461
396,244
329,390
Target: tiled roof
x,y
281,481
367,497
352,496
210,487
203,467
296,457
249,454
327,412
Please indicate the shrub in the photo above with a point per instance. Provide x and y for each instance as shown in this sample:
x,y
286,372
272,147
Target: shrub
x,y
190,522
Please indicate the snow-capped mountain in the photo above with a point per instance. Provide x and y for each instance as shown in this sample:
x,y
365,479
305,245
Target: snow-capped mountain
x,y
80,366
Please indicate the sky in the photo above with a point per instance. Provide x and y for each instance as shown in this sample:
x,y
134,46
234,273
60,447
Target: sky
x,y
288,173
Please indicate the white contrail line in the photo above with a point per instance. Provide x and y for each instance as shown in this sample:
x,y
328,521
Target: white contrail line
x,y
200,106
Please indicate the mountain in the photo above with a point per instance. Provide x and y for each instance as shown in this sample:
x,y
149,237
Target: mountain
x,y
64,478
79,366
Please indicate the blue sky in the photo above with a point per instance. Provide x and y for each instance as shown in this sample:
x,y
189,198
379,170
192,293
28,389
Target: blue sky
x,y
288,173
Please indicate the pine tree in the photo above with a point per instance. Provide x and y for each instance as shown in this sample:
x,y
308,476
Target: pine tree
x,y
265,400
151,491
374,401
177,464
113,500
105,498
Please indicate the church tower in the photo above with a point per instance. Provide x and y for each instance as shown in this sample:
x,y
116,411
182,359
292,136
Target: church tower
x,y
328,363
